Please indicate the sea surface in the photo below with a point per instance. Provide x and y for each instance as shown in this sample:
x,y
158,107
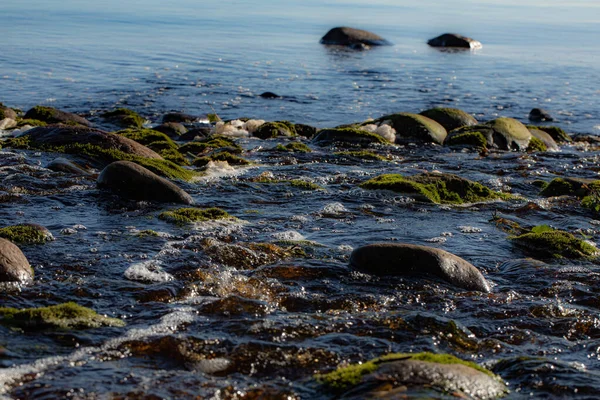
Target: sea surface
x,y
213,312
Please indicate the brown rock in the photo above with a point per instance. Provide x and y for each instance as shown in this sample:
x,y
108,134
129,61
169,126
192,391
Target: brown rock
x,y
14,266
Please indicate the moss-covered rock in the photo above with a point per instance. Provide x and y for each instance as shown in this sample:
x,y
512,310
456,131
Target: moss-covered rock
x,y
221,156
275,129
435,188
550,243
578,187
7,112
26,234
536,145
171,129
450,118
190,215
349,136
66,316
306,131
293,147
297,183
211,143
355,38
30,122
146,136
124,118
415,127
474,139
51,115
558,134
362,154
545,138
508,134
418,369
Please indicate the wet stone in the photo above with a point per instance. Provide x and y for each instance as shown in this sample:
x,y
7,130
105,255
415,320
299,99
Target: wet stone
x,y
14,266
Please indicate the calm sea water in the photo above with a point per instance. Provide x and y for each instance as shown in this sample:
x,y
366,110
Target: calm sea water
x,y
193,56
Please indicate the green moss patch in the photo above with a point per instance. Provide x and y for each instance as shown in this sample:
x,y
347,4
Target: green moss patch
x,y
348,135
214,142
347,377
221,156
362,154
546,242
297,183
25,234
31,122
293,147
125,117
571,187
535,145
65,316
146,136
473,138
147,232
415,126
274,129
190,215
558,134
436,188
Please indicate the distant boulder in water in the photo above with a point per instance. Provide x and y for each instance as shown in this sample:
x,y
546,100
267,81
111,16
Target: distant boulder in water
x,y
539,114
454,40
269,95
355,38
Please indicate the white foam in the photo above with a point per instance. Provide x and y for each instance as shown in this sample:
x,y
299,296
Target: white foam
x,y
288,235
469,229
334,209
253,124
148,271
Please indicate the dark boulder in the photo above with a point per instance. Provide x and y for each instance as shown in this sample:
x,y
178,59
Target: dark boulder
x,y
136,182
408,260
14,266
450,118
71,135
454,40
414,128
181,118
344,36
52,115
61,164
347,136
124,118
538,115
545,138
269,95
171,129
202,132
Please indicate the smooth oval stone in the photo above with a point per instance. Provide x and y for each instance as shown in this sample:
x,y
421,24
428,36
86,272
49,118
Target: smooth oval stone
x,y
52,115
539,114
345,36
7,123
7,112
171,129
139,183
269,95
454,40
545,138
63,165
508,134
450,118
14,266
409,259
415,127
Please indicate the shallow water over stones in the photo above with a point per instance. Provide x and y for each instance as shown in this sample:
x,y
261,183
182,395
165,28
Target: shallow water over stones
x,y
257,305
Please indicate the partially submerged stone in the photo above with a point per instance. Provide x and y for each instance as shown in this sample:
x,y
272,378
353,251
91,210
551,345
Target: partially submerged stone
x,y
579,187
350,136
551,243
14,266
52,115
400,259
442,371
508,134
450,118
211,143
182,118
293,147
65,316
469,139
136,182
62,164
539,115
171,129
558,134
275,129
363,155
536,145
190,215
414,127
454,40
231,159
26,234
545,138
124,118
345,36
435,188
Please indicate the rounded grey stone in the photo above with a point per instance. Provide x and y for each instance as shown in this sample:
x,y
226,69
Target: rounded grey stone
x,y
14,266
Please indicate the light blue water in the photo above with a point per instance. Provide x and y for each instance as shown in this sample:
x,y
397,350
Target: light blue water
x,y
191,56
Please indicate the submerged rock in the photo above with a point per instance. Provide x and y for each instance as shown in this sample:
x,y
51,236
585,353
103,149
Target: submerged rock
x,y
382,377
274,129
502,133
351,136
414,127
124,118
450,118
61,164
558,134
454,40
579,187
137,182
408,260
190,215
435,188
344,36
545,138
26,234
539,114
546,242
52,115
269,95
14,266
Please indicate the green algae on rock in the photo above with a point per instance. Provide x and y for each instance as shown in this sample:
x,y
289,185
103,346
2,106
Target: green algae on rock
x,y
31,122
274,129
415,126
352,136
508,134
190,215
474,138
145,136
293,147
363,155
125,118
578,187
231,159
52,115
65,316
436,188
422,369
558,134
552,243
450,118
26,234
536,145
213,142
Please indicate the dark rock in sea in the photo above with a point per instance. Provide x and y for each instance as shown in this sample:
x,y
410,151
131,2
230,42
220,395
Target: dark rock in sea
x,y
71,135
454,40
306,131
545,138
408,260
545,242
172,129
275,129
67,166
7,112
51,115
26,234
124,118
344,36
194,133
567,186
136,182
181,118
269,95
414,127
502,133
539,114
347,136
14,266
450,118
558,134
